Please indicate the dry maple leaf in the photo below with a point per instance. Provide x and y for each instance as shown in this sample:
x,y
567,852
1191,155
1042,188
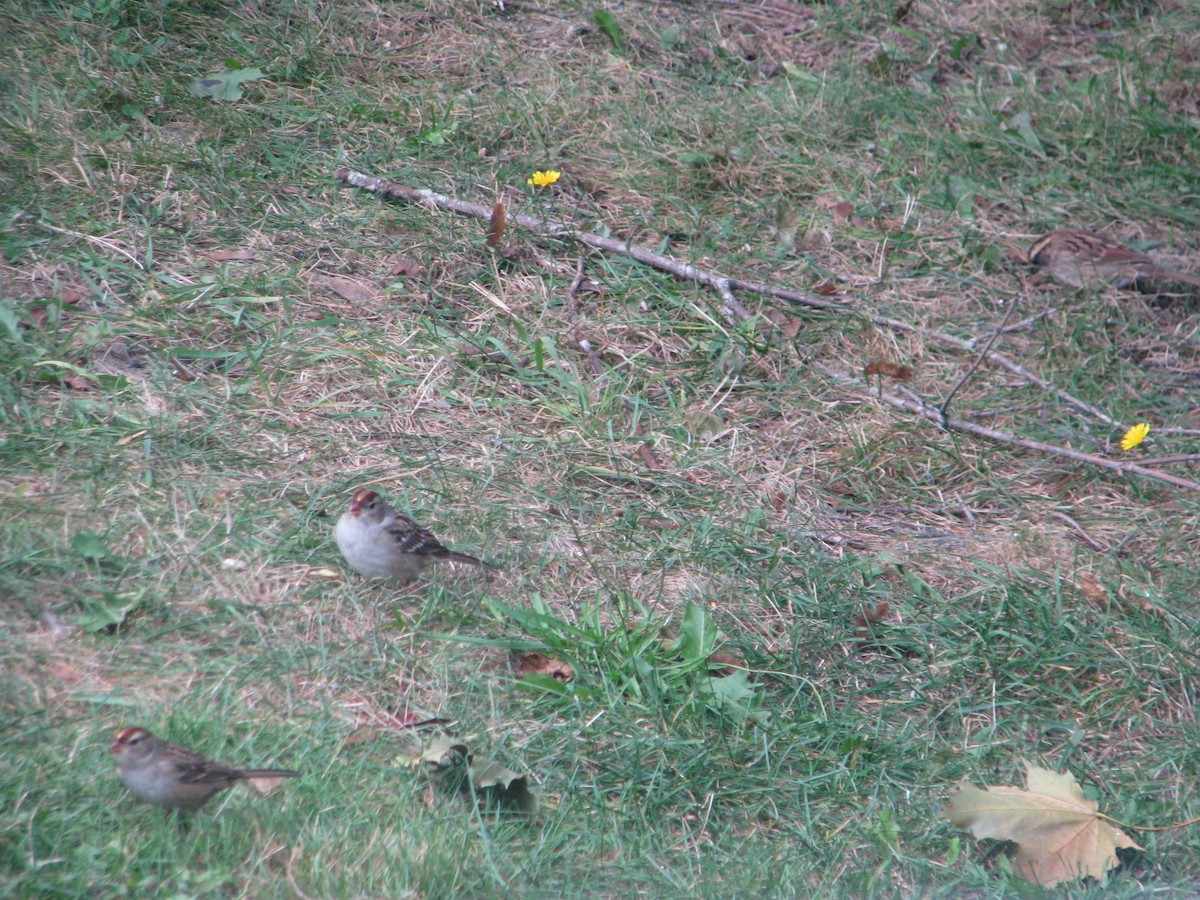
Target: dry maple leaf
x,y
1059,835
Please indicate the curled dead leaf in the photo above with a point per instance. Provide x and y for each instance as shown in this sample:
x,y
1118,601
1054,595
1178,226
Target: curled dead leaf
x,y
495,229
864,626
871,615
1093,590
405,267
355,292
883,367
538,664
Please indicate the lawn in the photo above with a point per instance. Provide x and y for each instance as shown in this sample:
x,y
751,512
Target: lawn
x,y
780,567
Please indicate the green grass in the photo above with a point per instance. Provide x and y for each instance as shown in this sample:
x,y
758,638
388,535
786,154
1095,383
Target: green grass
x,y
187,399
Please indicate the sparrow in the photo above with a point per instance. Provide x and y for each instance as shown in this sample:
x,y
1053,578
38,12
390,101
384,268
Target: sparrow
x,y
174,777
1085,258
379,541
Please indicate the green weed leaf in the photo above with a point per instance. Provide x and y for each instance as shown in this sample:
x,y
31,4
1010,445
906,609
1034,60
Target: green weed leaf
x,y
110,612
457,768
1022,123
501,787
91,547
734,696
226,86
698,635
607,23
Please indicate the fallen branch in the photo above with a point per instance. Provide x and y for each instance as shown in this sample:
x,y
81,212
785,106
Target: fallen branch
x,y
934,414
724,286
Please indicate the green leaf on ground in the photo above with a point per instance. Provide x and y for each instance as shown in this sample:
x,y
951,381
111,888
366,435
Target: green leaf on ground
x,y
225,85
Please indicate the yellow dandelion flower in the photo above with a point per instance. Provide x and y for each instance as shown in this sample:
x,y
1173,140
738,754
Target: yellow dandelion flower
x,y
1135,436
541,179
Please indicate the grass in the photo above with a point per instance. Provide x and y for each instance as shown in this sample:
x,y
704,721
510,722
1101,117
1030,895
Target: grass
x,y
207,343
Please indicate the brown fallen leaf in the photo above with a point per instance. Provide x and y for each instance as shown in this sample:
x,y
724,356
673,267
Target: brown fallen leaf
x,y
865,623
658,523
348,289
1060,836
789,326
71,297
1143,603
67,673
538,664
230,255
405,267
1093,590
495,229
264,786
871,615
841,210
890,369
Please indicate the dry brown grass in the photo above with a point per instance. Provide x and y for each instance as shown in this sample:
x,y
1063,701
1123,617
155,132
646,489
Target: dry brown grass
x,y
294,339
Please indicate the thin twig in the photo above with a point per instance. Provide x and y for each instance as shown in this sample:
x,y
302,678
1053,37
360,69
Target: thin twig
x,y
1167,460
590,352
98,241
1098,546
932,413
1001,360
987,348
639,429
1025,323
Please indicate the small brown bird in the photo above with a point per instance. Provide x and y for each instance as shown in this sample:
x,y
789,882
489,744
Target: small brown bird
x,y
172,776
1085,259
379,541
